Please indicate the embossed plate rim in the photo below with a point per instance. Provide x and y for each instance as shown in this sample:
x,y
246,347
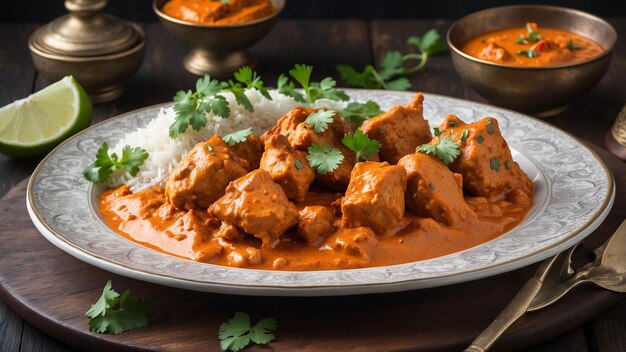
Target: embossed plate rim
x,y
316,283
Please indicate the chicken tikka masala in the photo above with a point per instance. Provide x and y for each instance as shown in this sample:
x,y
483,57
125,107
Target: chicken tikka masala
x,y
259,204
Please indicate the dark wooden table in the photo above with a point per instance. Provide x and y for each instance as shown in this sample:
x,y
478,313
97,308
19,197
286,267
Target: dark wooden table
x,y
323,44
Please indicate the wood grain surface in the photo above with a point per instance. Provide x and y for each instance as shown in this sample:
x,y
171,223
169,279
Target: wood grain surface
x,y
324,44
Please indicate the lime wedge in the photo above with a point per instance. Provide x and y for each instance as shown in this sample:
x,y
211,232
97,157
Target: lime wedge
x,y
36,124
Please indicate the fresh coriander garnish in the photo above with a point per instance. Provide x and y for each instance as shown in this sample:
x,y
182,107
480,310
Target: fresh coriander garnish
x,y
533,36
494,164
381,132
324,158
445,149
507,164
521,40
356,113
191,107
320,119
249,77
298,164
115,313
464,135
360,143
571,46
480,138
530,53
490,129
392,65
237,333
100,170
431,185
312,90
452,123
237,136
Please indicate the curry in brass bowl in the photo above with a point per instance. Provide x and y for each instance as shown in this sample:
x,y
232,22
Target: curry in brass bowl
x,y
218,39
532,58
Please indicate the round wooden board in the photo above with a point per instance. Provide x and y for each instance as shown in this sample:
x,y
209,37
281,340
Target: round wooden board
x,y
52,290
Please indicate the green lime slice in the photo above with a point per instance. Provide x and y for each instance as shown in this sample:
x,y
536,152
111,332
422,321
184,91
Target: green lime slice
x,y
36,124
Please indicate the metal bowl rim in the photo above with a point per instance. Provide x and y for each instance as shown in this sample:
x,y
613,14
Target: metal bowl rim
x,y
608,51
171,19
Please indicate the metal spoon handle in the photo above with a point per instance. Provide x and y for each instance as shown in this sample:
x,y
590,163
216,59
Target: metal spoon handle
x,y
516,308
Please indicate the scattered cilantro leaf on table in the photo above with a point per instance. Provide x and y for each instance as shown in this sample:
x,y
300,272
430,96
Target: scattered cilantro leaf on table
x,y
360,143
356,113
237,332
324,158
115,313
392,65
237,136
445,149
320,119
100,170
312,90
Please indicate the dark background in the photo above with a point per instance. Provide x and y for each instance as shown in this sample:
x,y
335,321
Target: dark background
x,y
141,10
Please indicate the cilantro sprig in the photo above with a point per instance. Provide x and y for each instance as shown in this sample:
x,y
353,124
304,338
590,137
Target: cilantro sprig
x,y
312,90
237,332
360,143
100,170
115,313
527,52
320,119
356,113
237,136
572,46
392,66
191,107
324,158
445,149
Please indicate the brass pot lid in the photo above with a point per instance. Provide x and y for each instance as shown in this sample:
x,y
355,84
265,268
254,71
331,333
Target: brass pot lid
x,y
85,32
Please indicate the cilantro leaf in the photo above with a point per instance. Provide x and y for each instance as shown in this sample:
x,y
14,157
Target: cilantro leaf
x,y
360,143
207,86
236,333
529,53
320,119
490,129
445,149
299,164
287,88
324,158
393,65
100,170
356,113
571,46
312,90
115,313
246,75
464,135
494,164
237,136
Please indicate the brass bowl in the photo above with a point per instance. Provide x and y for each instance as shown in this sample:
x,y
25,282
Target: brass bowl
x,y
540,90
102,76
218,50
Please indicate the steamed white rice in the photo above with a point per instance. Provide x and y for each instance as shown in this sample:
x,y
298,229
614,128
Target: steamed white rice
x,y
165,152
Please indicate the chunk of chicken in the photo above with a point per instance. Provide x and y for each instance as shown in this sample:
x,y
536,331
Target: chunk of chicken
x,y
201,177
251,150
399,130
358,242
433,191
301,135
494,53
375,196
258,205
485,159
287,166
315,223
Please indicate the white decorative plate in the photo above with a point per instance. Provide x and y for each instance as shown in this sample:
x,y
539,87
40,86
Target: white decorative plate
x,y
575,191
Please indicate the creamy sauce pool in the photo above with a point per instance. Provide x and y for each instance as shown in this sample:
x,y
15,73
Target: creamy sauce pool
x,y
146,218
505,47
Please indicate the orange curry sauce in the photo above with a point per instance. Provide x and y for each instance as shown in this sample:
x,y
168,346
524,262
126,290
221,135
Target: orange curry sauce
x,y
217,12
188,234
532,46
